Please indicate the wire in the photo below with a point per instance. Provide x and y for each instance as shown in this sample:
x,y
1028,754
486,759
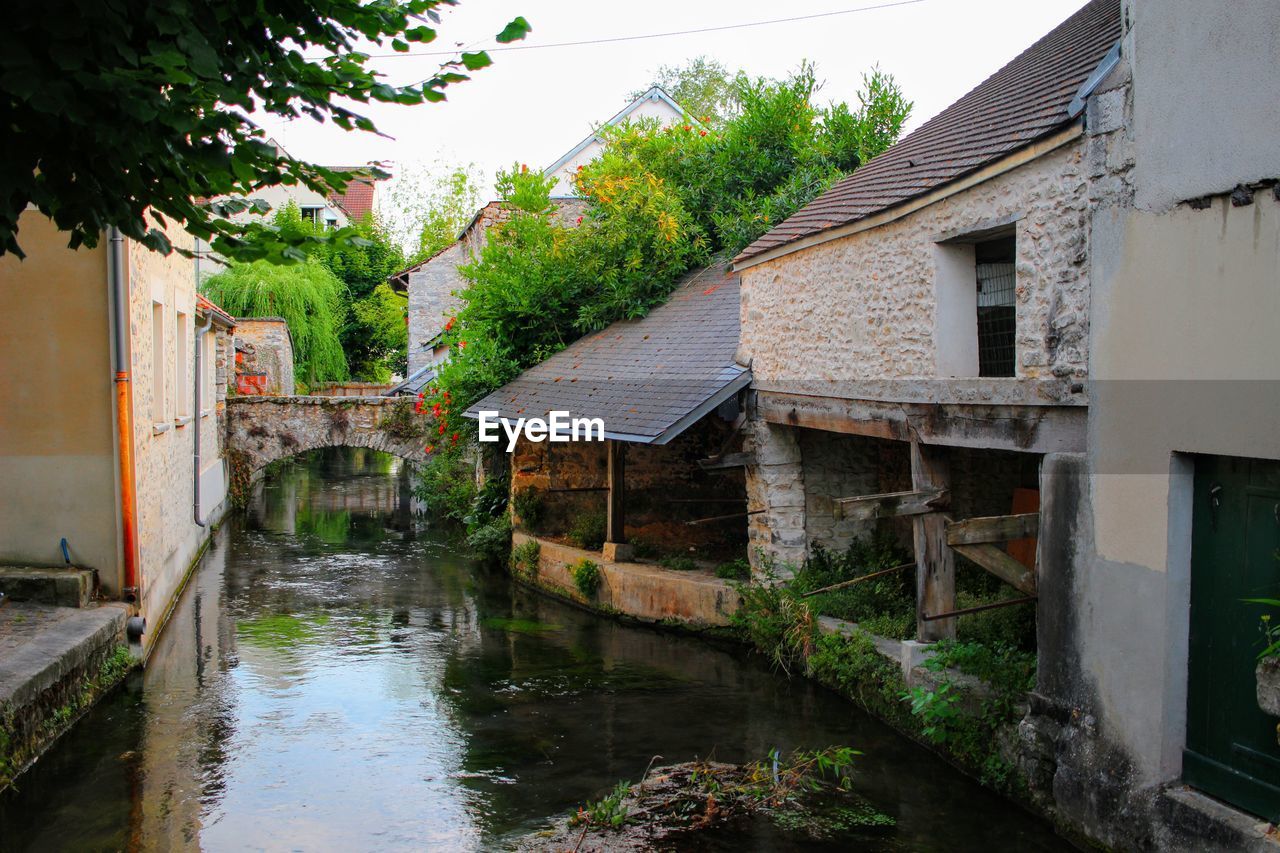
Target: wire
x,y
644,36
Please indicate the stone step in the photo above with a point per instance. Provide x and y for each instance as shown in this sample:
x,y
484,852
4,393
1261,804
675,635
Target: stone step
x,y
66,587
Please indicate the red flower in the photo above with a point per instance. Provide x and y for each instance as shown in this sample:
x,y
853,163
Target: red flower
x,y
442,429
455,438
449,325
462,344
430,448
688,127
578,221
523,168
702,133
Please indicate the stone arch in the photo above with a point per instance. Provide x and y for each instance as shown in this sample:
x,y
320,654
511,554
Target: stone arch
x,y
261,430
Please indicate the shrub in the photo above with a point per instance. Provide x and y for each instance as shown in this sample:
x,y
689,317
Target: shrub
x,y
588,531
402,422
491,539
586,577
734,570
678,563
524,558
528,506
643,550
446,484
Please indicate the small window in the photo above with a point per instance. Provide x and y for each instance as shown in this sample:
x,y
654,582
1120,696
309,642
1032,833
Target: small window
x,y
182,376
997,321
158,361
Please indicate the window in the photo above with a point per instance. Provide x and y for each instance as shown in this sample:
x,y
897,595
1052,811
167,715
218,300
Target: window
x,y
997,322
157,363
208,391
182,376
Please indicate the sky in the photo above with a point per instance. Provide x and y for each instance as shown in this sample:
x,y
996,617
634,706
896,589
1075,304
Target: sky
x,y
531,106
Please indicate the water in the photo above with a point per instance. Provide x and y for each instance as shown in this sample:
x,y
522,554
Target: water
x,y
339,675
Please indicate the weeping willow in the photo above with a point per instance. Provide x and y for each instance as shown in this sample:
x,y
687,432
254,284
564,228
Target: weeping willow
x,y
309,298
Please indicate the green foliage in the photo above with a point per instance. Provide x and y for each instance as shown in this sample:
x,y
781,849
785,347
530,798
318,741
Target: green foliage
x,y
1009,671
734,570
586,577
309,298
528,507
884,605
660,201
127,113
432,206
678,563
643,550
446,484
588,530
402,422
1270,631
702,86
607,811
936,708
491,539
524,558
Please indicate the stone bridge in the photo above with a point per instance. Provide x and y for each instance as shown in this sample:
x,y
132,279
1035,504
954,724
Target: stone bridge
x,y
261,429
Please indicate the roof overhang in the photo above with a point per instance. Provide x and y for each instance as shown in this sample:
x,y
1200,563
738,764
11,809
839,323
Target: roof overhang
x,y
688,419
1011,161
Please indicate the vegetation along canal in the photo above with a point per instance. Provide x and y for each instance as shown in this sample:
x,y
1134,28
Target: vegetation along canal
x,y
340,675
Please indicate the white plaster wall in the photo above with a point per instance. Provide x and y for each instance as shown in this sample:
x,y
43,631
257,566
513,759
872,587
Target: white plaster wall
x,y
1207,93
656,109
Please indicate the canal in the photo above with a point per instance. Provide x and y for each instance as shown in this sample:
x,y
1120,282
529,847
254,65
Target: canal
x,y
341,675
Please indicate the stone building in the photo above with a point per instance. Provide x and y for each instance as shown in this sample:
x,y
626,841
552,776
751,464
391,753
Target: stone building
x,y
1004,327
118,448
264,357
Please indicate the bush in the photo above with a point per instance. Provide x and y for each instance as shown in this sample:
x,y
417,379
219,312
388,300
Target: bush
x,y
528,506
586,577
883,605
642,550
524,559
491,539
678,563
734,570
588,531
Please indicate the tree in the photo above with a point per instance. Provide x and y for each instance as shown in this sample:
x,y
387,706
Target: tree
x,y
307,295
703,86
127,113
427,206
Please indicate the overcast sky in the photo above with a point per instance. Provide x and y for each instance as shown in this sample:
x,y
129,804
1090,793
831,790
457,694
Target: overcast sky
x,y
533,105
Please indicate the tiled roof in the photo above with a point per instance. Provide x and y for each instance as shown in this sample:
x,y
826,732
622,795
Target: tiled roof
x,y
1020,103
357,200
211,308
648,379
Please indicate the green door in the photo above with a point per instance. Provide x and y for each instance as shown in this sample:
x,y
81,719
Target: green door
x,y
1232,751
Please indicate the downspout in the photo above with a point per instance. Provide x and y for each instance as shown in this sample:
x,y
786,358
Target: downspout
x,y
199,362
124,408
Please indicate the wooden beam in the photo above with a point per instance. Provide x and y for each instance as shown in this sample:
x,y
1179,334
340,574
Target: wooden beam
x,y
616,524
997,426
995,528
892,504
858,579
728,460
935,562
1001,565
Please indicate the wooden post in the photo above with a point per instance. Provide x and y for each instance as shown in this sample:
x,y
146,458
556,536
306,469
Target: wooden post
x,y
615,531
935,563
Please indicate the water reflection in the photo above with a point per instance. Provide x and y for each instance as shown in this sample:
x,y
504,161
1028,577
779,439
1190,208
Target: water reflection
x,y
338,675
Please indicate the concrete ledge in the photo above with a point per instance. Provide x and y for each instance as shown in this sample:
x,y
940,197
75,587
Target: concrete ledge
x,y
695,599
63,587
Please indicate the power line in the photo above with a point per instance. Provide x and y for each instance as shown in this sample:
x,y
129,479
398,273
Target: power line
x,y
645,36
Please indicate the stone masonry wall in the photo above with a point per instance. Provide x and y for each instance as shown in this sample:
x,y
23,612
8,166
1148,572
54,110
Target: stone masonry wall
x,y
864,308
264,346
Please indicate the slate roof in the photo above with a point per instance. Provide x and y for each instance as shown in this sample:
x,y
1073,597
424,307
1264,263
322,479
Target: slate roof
x,y
1022,102
648,379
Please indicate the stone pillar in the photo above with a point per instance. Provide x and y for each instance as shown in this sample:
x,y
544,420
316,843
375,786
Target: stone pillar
x,y
775,496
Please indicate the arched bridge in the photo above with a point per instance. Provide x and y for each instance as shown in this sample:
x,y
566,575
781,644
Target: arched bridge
x,y
261,430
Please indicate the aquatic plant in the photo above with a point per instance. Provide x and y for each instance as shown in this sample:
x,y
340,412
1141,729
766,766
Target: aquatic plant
x,y
608,811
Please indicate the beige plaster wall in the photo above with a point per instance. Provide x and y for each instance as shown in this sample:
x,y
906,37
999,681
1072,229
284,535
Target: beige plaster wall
x,y
57,423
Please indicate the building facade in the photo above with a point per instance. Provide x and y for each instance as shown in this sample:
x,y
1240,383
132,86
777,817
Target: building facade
x,y
125,459
1056,304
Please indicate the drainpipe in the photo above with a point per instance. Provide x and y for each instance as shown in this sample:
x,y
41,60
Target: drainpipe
x,y
199,361
124,421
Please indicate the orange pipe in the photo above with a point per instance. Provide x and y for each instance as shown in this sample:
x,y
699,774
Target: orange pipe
x,y
128,512
124,416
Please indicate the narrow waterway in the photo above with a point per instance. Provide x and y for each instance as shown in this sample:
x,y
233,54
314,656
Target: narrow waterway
x,y
340,675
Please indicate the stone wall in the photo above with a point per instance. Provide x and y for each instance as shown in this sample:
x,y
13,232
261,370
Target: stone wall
x,y
666,488
264,357
261,430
